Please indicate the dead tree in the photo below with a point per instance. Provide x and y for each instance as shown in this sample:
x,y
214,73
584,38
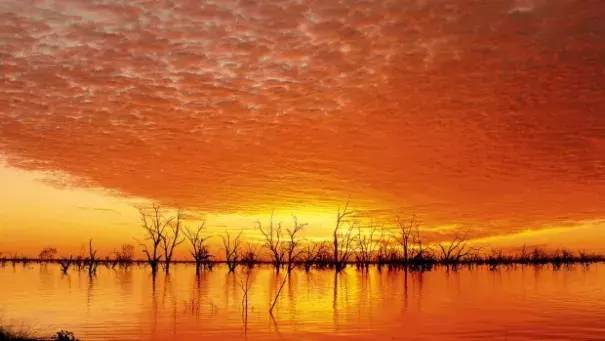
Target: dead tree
x,y
154,225
231,248
249,257
368,245
456,250
273,242
48,253
125,255
199,251
347,246
293,255
422,257
342,243
524,256
386,254
293,250
92,260
170,239
312,253
65,264
405,236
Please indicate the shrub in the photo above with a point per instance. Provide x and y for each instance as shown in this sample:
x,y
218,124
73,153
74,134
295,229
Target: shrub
x,y
64,335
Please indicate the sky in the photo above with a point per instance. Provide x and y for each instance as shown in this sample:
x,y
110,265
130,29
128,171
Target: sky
x,y
480,116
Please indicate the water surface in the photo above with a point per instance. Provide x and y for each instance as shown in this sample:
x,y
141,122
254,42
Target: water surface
x,y
524,303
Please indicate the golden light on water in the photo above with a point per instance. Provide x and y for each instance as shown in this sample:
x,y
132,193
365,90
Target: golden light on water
x,y
480,119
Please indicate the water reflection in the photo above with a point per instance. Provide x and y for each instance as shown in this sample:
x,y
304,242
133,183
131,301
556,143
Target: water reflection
x,y
90,291
373,304
124,280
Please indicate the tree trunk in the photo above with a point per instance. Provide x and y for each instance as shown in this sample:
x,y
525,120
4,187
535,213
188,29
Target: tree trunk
x,y
336,250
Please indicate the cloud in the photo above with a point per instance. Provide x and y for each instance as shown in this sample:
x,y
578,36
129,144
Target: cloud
x,y
454,110
97,209
523,6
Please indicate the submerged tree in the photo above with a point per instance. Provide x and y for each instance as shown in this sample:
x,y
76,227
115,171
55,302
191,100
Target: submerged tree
x,y
343,243
293,255
456,250
273,241
368,244
125,255
154,225
232,249
171,238
199,251
405,236
249,257
313,253
65,264
92,260
293,248
48,253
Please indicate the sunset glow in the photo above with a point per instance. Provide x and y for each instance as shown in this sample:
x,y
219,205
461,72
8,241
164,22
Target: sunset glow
x,y
482,116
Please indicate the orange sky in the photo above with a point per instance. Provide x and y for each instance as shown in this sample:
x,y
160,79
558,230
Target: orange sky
x,y
481,115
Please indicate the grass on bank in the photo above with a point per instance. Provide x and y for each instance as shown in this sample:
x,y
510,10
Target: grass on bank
x,y
11,333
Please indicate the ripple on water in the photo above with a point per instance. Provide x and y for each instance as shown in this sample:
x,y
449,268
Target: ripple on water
x,y
510,304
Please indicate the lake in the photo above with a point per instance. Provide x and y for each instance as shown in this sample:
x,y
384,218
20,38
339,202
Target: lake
x,y
523,303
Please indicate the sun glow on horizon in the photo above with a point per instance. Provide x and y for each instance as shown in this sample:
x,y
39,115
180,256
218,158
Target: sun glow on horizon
x,y
479,116
41,210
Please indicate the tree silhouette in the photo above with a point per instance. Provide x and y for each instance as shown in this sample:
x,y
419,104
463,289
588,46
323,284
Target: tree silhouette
x,y
171,238
273,241
231,248
342,243
199,251
154,226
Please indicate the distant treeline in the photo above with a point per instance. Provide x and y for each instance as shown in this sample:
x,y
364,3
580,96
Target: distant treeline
x,y
351,244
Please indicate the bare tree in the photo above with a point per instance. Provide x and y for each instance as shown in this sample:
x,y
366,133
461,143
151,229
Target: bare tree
x,y
342,243
293,250
249,257
405,236
124,255
385,253
170,239
48,253
92,261
154,225
199,251
293,255
231,248
65,264
524,256
423,257
80,260
273,241
368,244
312,253
455,251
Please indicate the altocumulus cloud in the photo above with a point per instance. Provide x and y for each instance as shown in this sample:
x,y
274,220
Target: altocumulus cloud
x,y
487,113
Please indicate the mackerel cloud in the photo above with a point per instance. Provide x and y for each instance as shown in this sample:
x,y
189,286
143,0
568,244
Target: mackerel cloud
x,y
484,113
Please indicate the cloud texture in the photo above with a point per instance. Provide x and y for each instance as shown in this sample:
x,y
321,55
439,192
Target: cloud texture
x,y
483,113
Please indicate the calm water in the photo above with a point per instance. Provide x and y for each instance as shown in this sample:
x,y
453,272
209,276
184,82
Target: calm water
x,y
519,304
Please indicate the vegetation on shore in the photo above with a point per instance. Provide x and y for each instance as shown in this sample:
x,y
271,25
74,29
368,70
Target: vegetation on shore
x,y
352,243
10,333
